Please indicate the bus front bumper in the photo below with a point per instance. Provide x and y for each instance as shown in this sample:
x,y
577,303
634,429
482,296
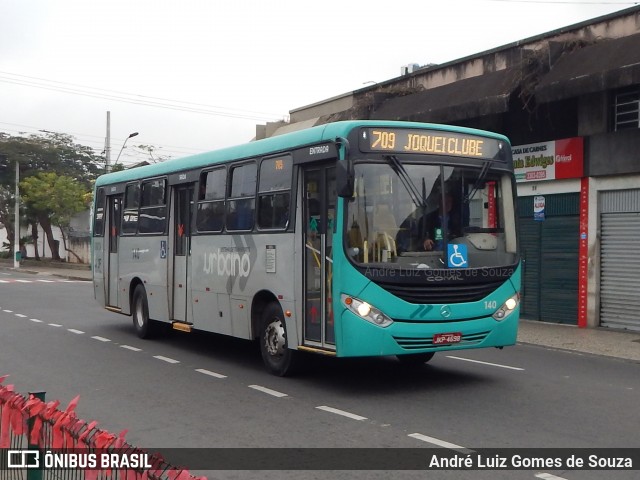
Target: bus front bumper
x,y
361,338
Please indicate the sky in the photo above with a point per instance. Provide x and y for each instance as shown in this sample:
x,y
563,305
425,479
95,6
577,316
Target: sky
x,y
197,75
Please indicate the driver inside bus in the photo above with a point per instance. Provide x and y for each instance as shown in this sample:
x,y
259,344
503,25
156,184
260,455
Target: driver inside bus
x,y
426,232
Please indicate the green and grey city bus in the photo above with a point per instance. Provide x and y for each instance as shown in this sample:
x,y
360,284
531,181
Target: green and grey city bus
x,y
318,241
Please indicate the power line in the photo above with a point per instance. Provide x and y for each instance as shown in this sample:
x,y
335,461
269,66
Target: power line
x,y
136,99
564,2
99,139
96,143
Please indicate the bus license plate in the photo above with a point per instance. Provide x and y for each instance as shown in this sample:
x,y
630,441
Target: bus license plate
x,y
446,338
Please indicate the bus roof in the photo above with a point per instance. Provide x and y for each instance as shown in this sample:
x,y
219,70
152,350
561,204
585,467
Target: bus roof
x,y
329,131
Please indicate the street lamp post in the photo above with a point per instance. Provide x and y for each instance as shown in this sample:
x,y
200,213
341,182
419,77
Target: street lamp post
x,y
123,145
16,236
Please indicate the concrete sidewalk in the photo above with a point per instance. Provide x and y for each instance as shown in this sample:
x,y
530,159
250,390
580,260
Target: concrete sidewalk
x,y
598,341
71,271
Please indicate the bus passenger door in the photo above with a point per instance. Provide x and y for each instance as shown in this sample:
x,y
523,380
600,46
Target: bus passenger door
x,y
319,209
183,211
113,228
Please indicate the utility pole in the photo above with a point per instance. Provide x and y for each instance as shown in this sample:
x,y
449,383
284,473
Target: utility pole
x,y
16,237
107,147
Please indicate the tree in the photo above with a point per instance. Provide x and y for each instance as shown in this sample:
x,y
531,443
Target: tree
x,y
55,198
36,153
6,212
150,150
49,151
7,203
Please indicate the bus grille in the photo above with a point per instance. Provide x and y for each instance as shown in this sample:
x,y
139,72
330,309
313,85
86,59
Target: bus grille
x,y
442,294
410,343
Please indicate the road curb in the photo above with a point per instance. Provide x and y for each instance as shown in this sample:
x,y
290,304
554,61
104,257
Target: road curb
x,y
68,276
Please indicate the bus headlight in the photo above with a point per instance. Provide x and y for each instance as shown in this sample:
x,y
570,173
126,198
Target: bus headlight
x,y
507,307
366,311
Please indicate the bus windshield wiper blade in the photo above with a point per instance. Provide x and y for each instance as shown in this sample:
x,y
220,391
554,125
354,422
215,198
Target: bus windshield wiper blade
x,y
483,174
397,166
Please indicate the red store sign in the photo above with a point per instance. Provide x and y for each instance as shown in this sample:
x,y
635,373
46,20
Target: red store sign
x,y
549,160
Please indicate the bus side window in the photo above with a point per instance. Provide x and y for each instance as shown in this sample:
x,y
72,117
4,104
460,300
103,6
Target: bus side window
x,y
273,211
242,197
274,193
131,203
153,210
210,214
98,222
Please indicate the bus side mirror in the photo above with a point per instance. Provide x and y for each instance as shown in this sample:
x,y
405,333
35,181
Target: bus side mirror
x,y
344,178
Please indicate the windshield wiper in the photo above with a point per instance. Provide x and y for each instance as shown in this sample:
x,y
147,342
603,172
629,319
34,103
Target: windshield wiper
x,y
480,180
398,168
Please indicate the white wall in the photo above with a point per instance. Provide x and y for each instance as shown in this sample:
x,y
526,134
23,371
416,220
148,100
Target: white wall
x,y
78,240
42,245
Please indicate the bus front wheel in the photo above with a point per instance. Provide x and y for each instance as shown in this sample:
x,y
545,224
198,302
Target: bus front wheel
x,y
277,357
415,359
140,313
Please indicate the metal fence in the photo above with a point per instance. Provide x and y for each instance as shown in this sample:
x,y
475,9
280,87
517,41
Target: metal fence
x,y
68,448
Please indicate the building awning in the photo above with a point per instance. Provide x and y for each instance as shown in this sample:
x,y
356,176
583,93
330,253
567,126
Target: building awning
x,y
469,98
606,65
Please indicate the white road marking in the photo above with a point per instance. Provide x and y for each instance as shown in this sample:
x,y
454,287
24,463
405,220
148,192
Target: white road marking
x,y
129,347
5,281
210,373
101,339
24,281
8,311
73,330
54,324
35,320
341,412
485,363
268,391
437,441
166,359
47,281
20,315
548,476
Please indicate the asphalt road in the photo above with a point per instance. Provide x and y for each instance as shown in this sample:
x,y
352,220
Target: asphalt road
x,y
202,390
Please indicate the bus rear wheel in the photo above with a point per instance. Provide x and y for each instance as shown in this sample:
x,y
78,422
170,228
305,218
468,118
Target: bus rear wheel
x,y
277,357
140,313
415,359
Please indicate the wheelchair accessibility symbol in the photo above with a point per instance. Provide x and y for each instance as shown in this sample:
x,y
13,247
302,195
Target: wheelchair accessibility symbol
x,y
457,256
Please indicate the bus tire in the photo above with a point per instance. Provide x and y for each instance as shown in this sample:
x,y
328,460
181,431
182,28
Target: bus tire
x,y
277,357
140,313
415,359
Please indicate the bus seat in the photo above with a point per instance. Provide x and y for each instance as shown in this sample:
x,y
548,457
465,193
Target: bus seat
x,y
384,221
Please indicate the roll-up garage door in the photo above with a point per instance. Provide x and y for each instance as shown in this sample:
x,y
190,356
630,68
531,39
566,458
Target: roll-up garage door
x,y
620,259
550,254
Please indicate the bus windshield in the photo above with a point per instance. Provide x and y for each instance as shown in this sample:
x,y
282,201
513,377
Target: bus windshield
x,y
416,215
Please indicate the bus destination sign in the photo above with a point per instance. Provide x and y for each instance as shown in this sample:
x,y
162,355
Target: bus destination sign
x,y
430,142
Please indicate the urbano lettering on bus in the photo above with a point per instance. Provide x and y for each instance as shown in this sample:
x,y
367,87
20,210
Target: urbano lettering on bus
x,y
227,263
